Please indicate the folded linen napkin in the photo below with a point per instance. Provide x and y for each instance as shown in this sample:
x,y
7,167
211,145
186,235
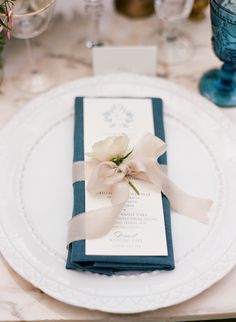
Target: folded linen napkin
x,y
77,259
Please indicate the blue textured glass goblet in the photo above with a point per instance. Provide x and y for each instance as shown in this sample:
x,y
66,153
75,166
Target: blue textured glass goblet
x,y
219,86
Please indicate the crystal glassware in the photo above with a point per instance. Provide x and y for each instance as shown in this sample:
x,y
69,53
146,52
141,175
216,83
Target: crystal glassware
x,y
89,37
219,85
175,46
93,10
30,19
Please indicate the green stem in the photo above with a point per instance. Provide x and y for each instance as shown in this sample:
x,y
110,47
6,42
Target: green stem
x,y
133,187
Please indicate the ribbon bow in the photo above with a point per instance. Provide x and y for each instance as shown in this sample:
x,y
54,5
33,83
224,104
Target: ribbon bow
x,y
141,164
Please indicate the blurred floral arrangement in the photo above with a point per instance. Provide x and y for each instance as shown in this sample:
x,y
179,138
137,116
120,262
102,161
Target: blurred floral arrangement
x,y
6,21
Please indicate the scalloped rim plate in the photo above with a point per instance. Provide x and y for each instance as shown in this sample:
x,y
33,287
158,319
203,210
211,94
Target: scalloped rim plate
x,y
35,189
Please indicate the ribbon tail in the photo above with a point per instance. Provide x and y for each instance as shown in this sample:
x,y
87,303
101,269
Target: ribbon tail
x,y
182,202
185,204
97,223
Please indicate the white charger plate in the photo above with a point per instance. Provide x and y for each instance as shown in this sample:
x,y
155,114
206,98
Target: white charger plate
x,y
36,150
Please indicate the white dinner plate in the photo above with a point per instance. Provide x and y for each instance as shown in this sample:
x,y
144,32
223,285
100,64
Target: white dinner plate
x,y
36,149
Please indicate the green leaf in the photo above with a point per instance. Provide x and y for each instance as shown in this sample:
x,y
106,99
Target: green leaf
x,y
119,160
4,25
126,156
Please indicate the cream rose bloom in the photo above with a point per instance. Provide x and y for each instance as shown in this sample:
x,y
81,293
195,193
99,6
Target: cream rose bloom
x,y
110,148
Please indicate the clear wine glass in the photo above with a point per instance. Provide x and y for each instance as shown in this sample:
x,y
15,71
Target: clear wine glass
x,y
30,19
91,37
94,10
175,46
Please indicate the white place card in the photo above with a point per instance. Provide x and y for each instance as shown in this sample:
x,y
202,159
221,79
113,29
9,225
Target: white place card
x,y
140,228
134,59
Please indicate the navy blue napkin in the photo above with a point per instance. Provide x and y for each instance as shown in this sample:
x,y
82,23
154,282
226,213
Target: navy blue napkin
x,y
77,259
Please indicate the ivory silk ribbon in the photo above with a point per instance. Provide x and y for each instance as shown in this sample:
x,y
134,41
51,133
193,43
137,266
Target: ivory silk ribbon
x,y
141,164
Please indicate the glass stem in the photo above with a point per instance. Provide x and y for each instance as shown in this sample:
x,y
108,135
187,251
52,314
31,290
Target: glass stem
x,y
170,32
94,10
226,75
31,60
